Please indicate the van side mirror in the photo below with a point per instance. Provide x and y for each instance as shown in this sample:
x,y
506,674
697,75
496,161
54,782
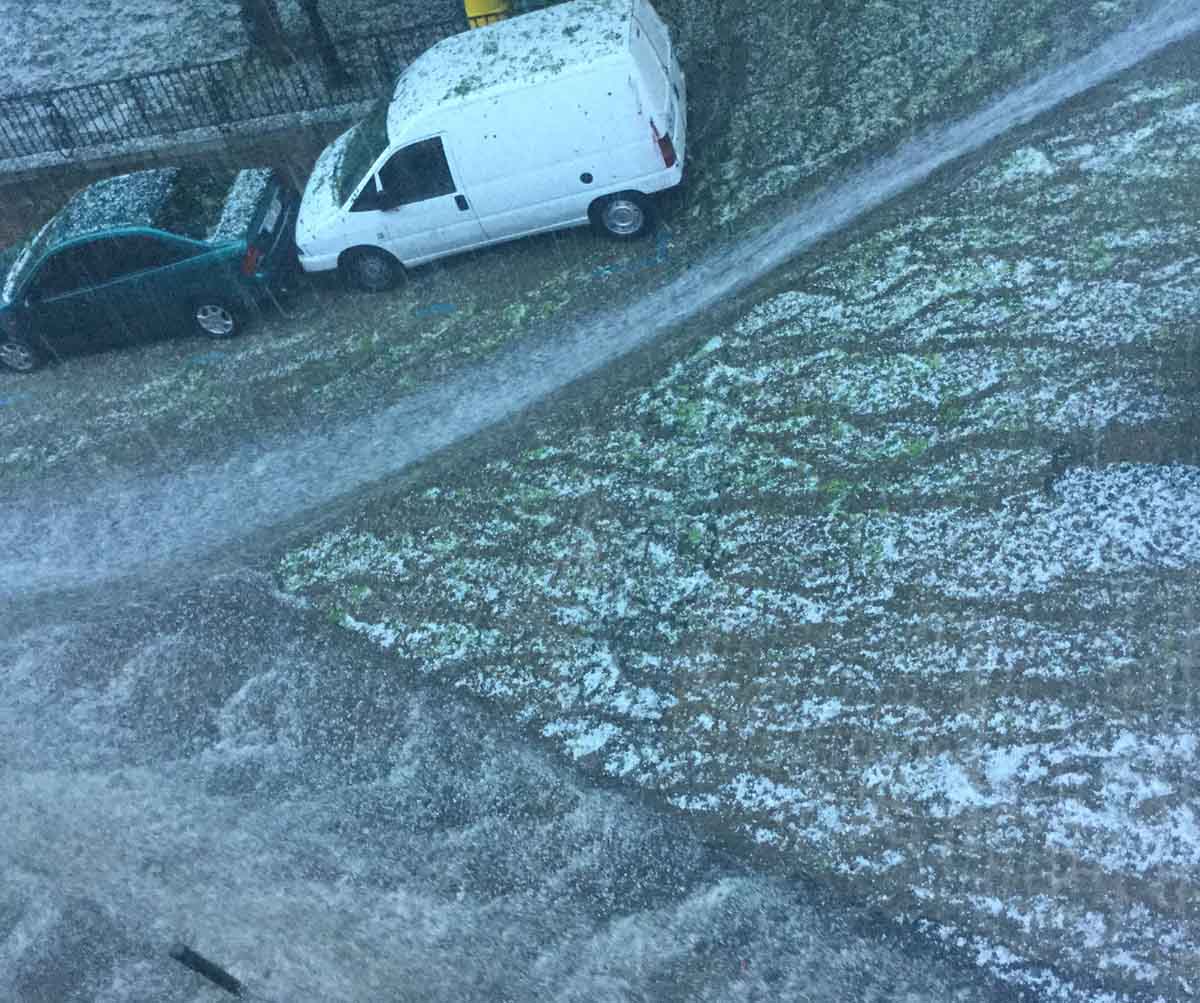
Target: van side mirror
x,y
389,201
368,200
371,200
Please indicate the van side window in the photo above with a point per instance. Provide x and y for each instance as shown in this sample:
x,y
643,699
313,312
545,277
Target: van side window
x,y
415,173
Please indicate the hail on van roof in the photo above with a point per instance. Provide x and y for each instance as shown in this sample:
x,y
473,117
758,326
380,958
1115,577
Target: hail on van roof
x,y
524,50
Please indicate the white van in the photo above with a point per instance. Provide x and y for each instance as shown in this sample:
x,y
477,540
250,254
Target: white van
x,y
569,115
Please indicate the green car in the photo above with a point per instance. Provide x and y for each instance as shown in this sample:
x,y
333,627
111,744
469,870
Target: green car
x,y
181,249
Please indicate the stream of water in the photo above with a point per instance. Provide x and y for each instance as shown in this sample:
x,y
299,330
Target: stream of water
x,y
216,768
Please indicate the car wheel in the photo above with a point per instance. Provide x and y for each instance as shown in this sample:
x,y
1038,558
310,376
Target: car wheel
x,y
623,216
371,270
215,318
18,355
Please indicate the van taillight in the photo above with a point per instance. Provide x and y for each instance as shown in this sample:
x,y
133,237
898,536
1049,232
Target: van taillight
x,y
251,260
665,146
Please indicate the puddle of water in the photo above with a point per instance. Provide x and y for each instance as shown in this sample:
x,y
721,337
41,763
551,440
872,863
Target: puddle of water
x,y
434,310
659,256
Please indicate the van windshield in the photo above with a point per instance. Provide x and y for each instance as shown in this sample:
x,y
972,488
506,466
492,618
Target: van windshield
x,y
366,143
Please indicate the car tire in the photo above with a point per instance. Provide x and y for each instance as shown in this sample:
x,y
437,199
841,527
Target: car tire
x,y
370,269
623,216
216,317
19,355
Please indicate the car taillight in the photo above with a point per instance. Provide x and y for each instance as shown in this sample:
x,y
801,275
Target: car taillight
x,y
665,146
251,260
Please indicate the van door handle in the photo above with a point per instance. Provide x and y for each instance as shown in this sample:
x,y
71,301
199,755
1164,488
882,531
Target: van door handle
x,y
461,202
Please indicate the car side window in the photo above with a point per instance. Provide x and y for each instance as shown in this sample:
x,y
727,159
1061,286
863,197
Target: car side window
x,y
98,261
62,272
414,173
369,198
134,253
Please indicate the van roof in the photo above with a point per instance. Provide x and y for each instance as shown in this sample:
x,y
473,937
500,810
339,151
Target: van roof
x,y
519,51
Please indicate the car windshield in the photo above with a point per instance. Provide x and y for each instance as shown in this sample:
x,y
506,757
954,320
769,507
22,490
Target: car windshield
x,y
19,261
195,203
366,142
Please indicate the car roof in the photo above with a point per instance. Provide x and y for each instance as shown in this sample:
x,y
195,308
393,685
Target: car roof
x,y
127,201
518,51
122,202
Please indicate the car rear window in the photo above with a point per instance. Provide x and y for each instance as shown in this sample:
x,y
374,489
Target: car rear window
x,y
194,206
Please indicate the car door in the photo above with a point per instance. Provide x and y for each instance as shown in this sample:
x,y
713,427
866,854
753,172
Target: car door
x,y
151,279
65,311
413,206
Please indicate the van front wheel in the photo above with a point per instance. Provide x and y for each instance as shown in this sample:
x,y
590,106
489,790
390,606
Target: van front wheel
x,y
623,216
370,269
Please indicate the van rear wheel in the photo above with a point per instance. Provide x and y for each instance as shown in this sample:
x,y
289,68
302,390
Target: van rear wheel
x,y
371,270
623,216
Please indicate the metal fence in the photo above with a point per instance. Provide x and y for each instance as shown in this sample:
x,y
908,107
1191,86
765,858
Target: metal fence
x,y
215,95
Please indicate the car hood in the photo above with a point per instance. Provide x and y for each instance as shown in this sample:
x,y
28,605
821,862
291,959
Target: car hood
x,y
320,202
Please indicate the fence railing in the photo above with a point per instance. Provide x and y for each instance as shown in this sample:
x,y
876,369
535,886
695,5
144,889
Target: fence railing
x,y
214,95
77,123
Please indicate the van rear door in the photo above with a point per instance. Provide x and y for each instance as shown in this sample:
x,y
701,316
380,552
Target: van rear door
x,y
654,55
